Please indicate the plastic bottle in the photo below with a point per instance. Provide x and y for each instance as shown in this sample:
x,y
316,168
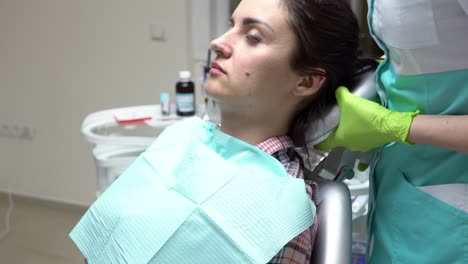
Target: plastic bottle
x,y
165,104
185,95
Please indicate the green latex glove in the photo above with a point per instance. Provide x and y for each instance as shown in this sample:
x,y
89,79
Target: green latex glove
x,y
365,125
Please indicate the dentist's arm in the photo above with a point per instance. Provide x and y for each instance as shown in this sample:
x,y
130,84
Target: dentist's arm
x,y
365,125
446,131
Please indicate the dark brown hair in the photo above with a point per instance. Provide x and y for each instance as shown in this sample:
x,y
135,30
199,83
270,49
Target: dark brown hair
x,y
327,38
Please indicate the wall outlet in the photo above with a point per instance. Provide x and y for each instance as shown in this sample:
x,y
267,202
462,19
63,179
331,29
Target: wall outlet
x,y
17,130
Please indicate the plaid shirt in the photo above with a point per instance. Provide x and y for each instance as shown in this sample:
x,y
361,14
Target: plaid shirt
x,y
298,250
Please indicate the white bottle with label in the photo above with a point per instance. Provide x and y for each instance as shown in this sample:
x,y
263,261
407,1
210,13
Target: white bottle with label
x,y
165,104
185,95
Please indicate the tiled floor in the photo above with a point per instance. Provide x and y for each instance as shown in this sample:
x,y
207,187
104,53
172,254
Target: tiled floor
x,y
39,232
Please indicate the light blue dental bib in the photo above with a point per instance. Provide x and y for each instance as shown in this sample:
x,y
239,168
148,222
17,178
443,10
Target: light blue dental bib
x,y
196,195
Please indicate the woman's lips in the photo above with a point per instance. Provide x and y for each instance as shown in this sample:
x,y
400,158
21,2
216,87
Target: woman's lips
x,y
216,69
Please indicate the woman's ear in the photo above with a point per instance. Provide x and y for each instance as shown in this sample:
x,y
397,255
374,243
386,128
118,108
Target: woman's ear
x,y
309,85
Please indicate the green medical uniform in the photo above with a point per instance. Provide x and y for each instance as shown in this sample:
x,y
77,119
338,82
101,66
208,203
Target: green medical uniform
x,y
426,69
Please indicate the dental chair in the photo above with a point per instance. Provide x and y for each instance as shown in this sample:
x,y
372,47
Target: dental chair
x,y
333,244
334,234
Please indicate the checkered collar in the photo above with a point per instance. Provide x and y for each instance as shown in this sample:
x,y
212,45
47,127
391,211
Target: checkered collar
x,y
275,144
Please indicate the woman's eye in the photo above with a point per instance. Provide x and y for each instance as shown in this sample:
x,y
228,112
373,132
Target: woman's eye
x,y
253,38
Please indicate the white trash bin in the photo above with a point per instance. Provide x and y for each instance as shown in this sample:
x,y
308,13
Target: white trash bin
x,y
111,162
117,145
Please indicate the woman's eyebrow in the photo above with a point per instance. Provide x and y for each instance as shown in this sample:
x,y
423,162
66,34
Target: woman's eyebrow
x,y
250,20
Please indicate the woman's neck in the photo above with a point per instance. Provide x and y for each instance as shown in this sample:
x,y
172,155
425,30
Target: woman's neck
x,y
251,129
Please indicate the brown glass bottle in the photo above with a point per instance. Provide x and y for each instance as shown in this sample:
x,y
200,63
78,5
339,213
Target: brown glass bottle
x,y
185,95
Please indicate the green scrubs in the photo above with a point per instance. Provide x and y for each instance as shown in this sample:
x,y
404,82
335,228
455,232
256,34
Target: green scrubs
x,y
426,69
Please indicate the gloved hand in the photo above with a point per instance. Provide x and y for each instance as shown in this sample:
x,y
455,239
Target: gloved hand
x,y
365,125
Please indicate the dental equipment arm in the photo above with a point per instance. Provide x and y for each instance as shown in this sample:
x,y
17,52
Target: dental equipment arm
x,y
365,125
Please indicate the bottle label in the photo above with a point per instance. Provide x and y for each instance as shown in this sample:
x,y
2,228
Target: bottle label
x,y
165,107
185,102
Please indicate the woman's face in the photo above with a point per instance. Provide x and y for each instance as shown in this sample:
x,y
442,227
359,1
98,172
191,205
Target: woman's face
x,y
252,70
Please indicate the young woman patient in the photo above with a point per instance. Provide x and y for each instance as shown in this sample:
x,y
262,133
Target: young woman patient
x,y
276,70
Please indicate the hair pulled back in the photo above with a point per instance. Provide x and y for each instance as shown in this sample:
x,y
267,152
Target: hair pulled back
x,y
327,44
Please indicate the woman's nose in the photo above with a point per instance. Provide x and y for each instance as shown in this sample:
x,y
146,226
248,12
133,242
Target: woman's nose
x,y
221,46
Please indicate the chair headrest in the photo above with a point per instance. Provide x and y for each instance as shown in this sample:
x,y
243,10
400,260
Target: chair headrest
x,y
362,85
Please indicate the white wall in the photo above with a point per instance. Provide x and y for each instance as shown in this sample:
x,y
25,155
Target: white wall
x,y
63,59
